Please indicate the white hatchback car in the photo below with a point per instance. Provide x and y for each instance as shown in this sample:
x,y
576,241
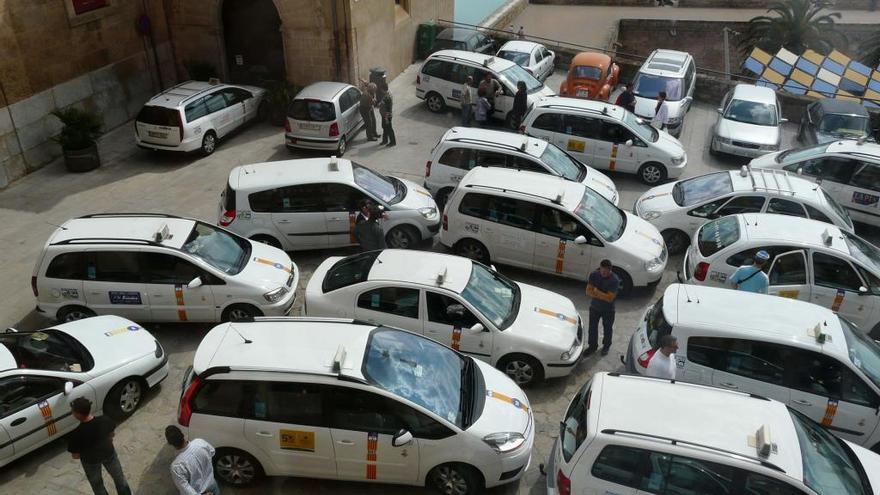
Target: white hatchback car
x,y
679,208
545,223
809,260
525,331
671,71
336,399
108,360
749,122
533,57
323,116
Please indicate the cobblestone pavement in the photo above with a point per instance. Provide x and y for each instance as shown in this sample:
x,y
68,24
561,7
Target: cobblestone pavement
x,y
136,180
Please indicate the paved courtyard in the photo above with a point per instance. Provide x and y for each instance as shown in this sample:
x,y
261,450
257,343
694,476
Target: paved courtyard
x,y
133,180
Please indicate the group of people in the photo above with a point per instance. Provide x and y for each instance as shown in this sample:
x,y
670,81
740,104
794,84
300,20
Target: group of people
x,y
627,100
483,106
377,96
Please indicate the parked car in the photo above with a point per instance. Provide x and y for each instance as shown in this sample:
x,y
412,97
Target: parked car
x,y
441,77
463,39
195,115
749,122
591,75
631,435
671,71
463,148
337,399
323,116
678,209
312,203
108,360
528,333
156,267
831,119
535,58
809,260
607,137
545,223
848,170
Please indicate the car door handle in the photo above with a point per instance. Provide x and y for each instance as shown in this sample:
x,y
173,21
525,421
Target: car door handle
x,y
18,421
802,402
264,434
283,221
345,442
728,385
336,219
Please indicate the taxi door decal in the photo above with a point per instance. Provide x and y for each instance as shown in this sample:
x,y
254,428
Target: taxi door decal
x,y
456,337
181,307
576,145
352,220
791,294
830,411
303,441
46,411
838,300
560,256
372,448
510,400
613,162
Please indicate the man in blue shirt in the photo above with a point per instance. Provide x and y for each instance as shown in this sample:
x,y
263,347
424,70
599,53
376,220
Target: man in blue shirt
x,y
602,287
751,278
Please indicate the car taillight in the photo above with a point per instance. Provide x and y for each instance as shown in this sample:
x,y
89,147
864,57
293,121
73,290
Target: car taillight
x,y
428,168
186,402
445,222
563,484
180,125
522,128
645,358
227,218
34,286
334,129
701,271
418,79
287,125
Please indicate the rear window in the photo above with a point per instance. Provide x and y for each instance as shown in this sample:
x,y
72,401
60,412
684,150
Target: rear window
x,y
349,271
574,427
717,235
71,266
312,110
449,45
586,72
159,116
692,191
227,198
657,325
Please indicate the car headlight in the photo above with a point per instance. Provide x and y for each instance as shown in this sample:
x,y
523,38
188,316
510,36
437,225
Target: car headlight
x,y
276,295
159,351
678,160
650,215
654,264
570,352
505,442
429,212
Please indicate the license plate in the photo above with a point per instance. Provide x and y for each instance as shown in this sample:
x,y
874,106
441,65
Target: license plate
x,y
309,127
154,134
583,93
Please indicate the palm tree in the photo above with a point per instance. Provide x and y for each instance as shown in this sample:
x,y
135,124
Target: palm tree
x,y
870,50
797,26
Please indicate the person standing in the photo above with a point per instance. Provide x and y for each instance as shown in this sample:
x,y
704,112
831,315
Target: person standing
x,y
661,112
521,33
491,88
92,443
192,470
369,233
662,363
627,99
365,107
751,278
520,104
467,105
386,107
484,108
364,208
602,286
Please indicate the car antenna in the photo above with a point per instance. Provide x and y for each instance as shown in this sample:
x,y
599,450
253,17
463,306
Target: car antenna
x,y
246,340
60,227
684,287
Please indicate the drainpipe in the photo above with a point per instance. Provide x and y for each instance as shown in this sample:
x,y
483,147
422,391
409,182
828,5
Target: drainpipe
x,y
336,39
349,55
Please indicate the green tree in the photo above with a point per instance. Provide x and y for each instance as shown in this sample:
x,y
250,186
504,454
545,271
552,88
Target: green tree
x,y
797,25
870,49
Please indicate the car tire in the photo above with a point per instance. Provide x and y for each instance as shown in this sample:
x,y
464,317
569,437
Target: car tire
x,y
267,239
74,313
652,173
626,282
442,198
676,241
402,237
343,146
712,150
124,398
240,312
435,102
523,370
474,250
455,479
237,468
209,143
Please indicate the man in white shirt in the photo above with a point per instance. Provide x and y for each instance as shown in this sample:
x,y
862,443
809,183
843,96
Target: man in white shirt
x,y
662,363
192,470
661,112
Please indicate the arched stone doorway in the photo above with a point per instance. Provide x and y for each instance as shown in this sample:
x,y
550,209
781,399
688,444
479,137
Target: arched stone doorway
x,y
253,41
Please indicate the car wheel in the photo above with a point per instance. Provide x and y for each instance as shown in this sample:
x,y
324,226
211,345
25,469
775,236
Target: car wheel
x,y
626,282
442,198
236,468
402,237
267,239
241,312
712,150
73,313
340,150
124,398
435,102
209,143
522,369
472,249
652,173
455,479
676,241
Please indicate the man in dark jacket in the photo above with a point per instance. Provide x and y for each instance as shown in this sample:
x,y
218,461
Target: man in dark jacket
x,y
92,444
386,107
627,99
368,100
520,104
369,233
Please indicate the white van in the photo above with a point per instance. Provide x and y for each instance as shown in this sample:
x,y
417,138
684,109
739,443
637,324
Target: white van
x,y
673,72
442,76
549,224
808,358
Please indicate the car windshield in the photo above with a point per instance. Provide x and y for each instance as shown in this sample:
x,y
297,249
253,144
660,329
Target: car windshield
x,y
562,164
845,125
449,45
495,296
601,215
573,430
586,72
218,248
645,130
717,235
516,74
518,58
864,352
649,86
387,189
799,154
419,370
705,187
311,111
750,112
862,250
47,350
830,467
838,209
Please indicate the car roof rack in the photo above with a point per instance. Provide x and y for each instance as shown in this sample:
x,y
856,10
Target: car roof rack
x,y
491,143
562,106
556,200
129,215
766,174
453,57
108,240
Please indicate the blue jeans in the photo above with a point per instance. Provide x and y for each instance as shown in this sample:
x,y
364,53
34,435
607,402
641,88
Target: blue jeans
x,y
466,111
93,474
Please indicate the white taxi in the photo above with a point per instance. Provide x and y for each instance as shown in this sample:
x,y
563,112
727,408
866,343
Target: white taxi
x,y
809,260
679,208
336,399
527,332
108,360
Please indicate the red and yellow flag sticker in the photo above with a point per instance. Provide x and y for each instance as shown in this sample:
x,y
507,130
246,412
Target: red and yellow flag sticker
x,y
178,295
510,400
456,337
558,316
274,264
838,300
560,256
830,411
613,163
352,220
46,411
372,449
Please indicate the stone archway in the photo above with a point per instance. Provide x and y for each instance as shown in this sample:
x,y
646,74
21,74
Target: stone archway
x,y
253,41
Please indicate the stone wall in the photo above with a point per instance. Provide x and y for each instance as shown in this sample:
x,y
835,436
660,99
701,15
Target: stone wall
x,y
620,3
502,18
712,4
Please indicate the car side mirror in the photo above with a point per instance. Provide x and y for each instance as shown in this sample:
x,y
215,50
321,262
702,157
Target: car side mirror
x,y
493,268
782,121
194,283
68,388
863,291
402,438
629,142
10,330
477,328
719,110
580,240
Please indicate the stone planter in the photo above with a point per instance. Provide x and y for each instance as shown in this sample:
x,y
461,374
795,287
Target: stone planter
x,y
82,160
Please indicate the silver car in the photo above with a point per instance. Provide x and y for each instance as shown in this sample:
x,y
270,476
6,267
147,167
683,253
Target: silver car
x,y
323,116
749,122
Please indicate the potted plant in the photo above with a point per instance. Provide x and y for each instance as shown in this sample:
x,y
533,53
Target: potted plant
x,y
77,138
279,96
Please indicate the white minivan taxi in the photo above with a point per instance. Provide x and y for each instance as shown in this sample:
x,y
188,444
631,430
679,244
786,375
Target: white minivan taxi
x,y
809,260
527,332
361,403
549,224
